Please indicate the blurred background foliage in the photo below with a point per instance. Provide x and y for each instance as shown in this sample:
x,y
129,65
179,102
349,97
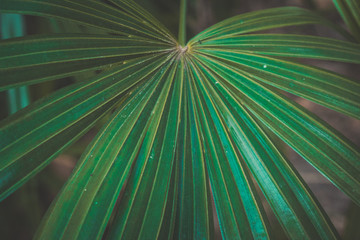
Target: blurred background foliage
x,y
21,213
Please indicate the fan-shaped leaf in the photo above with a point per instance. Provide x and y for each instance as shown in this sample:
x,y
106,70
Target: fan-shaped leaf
x,y
191,122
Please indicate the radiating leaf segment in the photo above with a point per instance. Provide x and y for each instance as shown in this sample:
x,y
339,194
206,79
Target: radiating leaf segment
x,y
187,124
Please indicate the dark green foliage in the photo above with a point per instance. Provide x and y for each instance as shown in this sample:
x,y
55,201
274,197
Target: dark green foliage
x,y
190,123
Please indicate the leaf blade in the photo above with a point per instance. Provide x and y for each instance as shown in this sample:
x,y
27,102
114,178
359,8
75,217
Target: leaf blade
x,y
323,87
113,150
334,156
236,202
286,45
92,13
46,122
35,59
263,20
299,198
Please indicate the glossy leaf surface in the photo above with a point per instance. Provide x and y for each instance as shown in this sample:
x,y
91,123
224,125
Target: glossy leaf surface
x,y
188,128
31,60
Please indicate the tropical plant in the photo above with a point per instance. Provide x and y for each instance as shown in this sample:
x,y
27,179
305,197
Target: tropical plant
x,y
187,122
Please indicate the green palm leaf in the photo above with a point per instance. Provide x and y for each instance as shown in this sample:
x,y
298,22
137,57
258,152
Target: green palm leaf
x,y
317,85
190,124
270,169
286,45
91,13
43,122
44,58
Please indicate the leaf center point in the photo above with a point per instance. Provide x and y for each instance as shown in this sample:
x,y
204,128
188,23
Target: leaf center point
x,y
182,50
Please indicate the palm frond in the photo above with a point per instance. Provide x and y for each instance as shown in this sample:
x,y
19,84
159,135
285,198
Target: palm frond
x,y
186,125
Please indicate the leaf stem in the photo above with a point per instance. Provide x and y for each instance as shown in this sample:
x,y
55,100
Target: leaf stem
x,y
182,23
